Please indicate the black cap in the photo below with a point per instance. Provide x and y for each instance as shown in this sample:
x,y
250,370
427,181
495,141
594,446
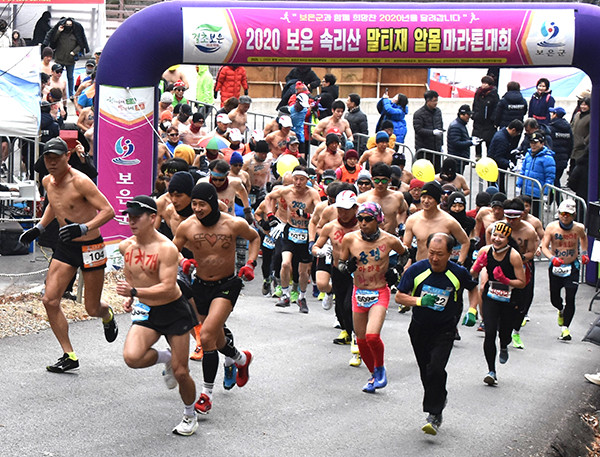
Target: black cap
x,y
329,174
498,199
56,146
140,205
537,137
57,67
465,109
433,189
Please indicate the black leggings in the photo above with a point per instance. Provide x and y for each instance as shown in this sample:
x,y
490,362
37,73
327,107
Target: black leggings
x,y
342,288
498,318
267,260
570,283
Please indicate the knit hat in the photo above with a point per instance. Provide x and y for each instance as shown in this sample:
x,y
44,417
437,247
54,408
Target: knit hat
x,y
482,199
457,197
185,152
363,175
382,136
433,189
332,138
261,146
497,199
181,182
351,154
416,184
236,158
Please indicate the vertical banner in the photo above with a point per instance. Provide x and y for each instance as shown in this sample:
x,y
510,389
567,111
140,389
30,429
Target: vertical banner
x,y
125,138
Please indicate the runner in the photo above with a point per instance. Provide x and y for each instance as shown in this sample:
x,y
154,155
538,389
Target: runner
x,y
80,208
212,236
258,166
150,270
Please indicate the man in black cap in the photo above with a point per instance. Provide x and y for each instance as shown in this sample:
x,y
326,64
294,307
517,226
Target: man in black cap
x,y
459,140
157,306
211,236
258,165
80,208
488,215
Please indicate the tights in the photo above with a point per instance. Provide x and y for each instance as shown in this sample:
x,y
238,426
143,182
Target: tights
x,y
570,284
371,350
498,318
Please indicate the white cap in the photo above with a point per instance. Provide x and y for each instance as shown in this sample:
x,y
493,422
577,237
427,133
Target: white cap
x,y
235,135
567,206
258,135
167,97
346,199
285,121
303,100
224,118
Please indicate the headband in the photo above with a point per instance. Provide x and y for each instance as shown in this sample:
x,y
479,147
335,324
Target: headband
x,y
300,173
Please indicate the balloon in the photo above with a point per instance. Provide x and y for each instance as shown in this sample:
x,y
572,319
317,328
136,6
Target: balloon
x,y
286,163
487,169
423,170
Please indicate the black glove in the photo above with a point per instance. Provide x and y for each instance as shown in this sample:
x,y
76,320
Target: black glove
x,y
248,215
391,277
216,93
273,221
72,230
264,224
29,235
302,213
349,266
310,246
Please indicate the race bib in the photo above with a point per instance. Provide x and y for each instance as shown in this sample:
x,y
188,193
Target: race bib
x,y
562,271
252,199
268,242
455,254
441,296
499,292
366,298
140,312
298,235
93,255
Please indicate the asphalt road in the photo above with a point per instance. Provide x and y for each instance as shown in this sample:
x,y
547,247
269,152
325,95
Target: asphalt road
x,y
302,398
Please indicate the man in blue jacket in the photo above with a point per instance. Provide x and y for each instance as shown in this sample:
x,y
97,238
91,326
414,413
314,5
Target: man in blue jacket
x,y
539,164
501,147
459,140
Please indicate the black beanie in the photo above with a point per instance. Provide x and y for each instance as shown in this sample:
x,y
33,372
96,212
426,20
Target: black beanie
x,y
482,199
206,192
181,182
457,197
433,189
498,199
261,146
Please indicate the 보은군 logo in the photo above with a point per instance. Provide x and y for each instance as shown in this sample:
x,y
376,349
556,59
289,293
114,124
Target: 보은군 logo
x,y
550,33
208,38
124,149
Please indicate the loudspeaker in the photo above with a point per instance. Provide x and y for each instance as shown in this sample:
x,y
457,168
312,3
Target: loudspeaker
x,y
592,222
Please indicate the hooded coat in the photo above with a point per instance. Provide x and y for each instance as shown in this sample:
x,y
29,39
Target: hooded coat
x,y
230,81
396,114
540,166
64,42
539,105
205,86
484,108
511,106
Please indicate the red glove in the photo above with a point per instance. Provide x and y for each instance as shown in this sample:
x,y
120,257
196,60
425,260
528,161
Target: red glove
x,y
499,276
187,264
247,271
557,261
481,262
585,259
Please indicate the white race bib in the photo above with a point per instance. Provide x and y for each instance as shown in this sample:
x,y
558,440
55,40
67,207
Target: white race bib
x,y
562,271
93,255
140,312
499,292
269,242
366,298
441,296
298,235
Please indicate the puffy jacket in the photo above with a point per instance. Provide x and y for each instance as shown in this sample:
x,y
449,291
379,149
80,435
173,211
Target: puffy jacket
x,y
562,141
306,75
230,81
541,167
511,106
539,105
204,86
425,121
581,134
459,140
395,113
484,108
545,129
64,42
500,148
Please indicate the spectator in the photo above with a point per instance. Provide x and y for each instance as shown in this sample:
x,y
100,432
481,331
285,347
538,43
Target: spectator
x,y
305,75
298,114
429,128
49,127
584,94
581,132
511,106
358,122
484,108
17,41
562,141
204,88
501,147
579,177
395,110
231,79
459,140
531,125
541,101
328,86
42,27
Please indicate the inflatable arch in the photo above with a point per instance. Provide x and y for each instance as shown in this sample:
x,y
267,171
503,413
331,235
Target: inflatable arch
x,y
339,34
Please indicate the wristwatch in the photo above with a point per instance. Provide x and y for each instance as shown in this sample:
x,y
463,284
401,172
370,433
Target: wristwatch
x,y
133,292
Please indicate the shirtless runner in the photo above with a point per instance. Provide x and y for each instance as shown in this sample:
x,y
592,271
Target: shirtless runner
x,y
380,153
336,120
278,139
258,167
332,157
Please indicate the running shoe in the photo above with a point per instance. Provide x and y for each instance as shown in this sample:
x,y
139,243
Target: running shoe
x,y
481,327
187,426
278,292
353,345
560,319
64,364
242,371
343,338
315,291
294,294
565,335
110,328
284,302
457,336
321,296
433,424
593,378
303,306
229,378
168,376
369,387
503,357
355,361
403,309
327,302
266,287
203,405
491,379
197,354
380,377
517,342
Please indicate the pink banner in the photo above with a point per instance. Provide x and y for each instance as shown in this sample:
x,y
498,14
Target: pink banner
x,y
125,137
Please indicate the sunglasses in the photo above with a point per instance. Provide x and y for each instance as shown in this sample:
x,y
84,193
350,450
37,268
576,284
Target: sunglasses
x,y
328,181
58,71
564,213
179,90
217,179
173,134
381,180
364,183
447,192
365,218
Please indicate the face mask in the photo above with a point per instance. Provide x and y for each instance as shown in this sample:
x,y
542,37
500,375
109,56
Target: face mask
x,y
88,71
68,28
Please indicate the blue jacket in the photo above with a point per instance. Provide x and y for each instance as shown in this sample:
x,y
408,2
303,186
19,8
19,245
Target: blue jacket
x,y
459,140
396,114
541,167
539,105
500,148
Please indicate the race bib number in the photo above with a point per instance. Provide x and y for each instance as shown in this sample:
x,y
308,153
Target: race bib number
x,y
140,312
298,235
93,255
441,296
366,298
269,242
499,292
455,254
562,271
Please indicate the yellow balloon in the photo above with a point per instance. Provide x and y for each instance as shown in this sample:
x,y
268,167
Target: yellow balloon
x,y
423,170
487,169
286,163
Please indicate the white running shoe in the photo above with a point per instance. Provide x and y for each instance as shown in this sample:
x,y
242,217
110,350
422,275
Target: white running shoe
x,y
187,426
168,376
327,302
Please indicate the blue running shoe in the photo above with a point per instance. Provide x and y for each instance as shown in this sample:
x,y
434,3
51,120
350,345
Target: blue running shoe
x,y
380,377
369,386
229,378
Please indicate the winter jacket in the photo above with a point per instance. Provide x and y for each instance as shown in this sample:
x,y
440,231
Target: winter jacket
x,y
425,121
500,148
230,81
358,121
539,105
484,108
6,38
396,114
306,75
64,43
581,135
298,121
459,140
579,177
42,26
333,90
204,86
541,167
19,42
562,141
545,129
511,106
